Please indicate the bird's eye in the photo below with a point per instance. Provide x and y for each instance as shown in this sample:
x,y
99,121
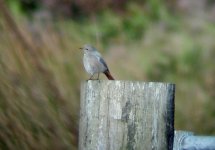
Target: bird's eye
x,y
87,49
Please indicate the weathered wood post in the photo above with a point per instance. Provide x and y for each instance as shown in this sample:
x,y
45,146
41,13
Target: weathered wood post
x,y
126,115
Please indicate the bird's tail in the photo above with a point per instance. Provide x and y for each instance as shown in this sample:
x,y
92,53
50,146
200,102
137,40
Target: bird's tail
x,y
108,75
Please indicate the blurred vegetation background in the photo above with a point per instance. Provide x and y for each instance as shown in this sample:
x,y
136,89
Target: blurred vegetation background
x,y
150,40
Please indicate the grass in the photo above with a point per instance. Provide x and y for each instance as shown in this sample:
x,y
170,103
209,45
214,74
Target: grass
x,y
40,84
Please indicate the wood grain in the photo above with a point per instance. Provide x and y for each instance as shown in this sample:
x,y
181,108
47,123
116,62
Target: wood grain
x,y
126,115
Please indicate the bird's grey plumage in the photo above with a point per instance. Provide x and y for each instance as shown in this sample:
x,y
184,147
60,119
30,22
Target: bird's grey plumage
x,y
93,61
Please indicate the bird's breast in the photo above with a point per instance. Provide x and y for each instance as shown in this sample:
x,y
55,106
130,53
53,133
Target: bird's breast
x,y
92,64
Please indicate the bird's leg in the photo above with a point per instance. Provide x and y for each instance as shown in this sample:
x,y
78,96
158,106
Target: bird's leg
x,y
91,77
98,77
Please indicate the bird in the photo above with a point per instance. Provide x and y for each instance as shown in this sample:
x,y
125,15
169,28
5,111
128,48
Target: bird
x,y
94,63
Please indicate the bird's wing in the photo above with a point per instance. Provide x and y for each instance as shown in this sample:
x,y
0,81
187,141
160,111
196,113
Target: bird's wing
x,y
101,60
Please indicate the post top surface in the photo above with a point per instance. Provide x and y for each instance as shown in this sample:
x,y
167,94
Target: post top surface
x,y
125,81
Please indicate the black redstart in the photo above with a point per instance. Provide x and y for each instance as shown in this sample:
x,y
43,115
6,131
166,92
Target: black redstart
x,y
94,63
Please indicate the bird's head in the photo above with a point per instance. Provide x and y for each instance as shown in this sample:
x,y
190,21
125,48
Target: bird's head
x,y
88,48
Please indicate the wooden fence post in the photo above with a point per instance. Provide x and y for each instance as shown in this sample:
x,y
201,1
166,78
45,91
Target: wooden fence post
x,y
126,115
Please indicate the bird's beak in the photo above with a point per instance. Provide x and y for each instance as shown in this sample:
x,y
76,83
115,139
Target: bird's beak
x,y
81,48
